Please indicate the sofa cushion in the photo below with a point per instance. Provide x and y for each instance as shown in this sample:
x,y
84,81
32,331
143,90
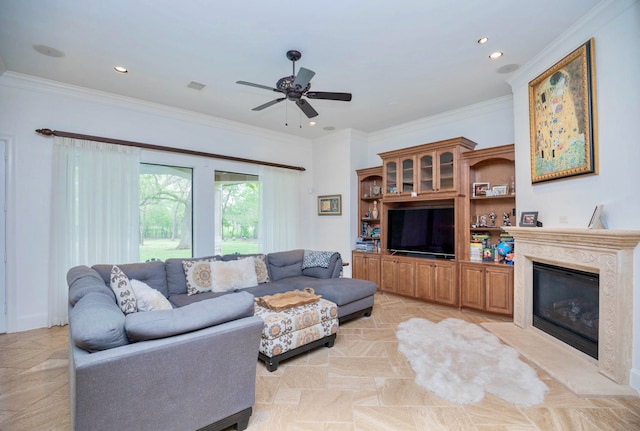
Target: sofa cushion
x,y
152,273
82,280
285,264
149,299
192,317
338,290
260,259
232,275
121,286
198,275
97,323
175,278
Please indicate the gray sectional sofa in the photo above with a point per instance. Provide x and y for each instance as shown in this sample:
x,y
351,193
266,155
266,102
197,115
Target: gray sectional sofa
x,y
191,367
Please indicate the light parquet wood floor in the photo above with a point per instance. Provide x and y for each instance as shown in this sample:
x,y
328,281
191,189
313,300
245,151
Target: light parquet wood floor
x,y
361,384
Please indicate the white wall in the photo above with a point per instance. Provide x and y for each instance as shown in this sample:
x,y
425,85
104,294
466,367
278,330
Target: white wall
x,y
615,26
27,104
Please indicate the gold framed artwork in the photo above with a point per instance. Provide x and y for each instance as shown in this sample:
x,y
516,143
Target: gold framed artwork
x,y
562,118
330,205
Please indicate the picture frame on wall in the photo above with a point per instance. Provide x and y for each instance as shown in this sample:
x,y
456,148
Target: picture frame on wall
x,y
562,118
330,205
529,219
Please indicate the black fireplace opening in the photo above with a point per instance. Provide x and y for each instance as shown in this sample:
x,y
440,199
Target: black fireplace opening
x,y
566,305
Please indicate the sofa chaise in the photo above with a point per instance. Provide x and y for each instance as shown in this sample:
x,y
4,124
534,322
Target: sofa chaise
x,y
192,365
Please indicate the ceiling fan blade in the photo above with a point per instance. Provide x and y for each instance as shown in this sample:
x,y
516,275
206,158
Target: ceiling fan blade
x,y
266,105
345,97
251,84
306,108
302,79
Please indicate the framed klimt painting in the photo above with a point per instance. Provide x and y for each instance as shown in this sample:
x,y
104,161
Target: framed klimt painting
x,y
562,118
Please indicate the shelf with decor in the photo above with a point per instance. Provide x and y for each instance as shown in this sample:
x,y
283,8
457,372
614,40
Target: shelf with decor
x,y
366,253
486,263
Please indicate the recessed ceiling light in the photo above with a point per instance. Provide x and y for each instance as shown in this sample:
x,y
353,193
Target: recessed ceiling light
x,y
329,128
312,123
483,40
120,69
508,68
496,55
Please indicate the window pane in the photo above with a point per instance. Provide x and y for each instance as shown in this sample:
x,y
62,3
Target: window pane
x,y
165,212
237,212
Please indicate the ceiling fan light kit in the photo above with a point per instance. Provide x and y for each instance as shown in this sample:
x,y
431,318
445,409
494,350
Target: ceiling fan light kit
x,y
295,87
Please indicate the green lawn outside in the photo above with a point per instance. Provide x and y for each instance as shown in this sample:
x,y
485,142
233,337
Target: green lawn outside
x,y
164,249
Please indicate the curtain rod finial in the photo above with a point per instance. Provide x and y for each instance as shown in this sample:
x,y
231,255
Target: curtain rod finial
x,y
46,132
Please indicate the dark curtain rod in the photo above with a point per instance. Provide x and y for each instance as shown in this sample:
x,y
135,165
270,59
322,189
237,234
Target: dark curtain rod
x,y
49,132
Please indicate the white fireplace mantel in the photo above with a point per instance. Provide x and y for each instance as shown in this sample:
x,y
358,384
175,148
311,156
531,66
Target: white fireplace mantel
x,y
608,253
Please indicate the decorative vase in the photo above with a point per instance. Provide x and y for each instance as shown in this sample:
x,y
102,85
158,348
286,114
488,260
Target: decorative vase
x,y
374,213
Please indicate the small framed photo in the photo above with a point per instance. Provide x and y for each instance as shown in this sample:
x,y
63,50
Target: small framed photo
x,y
499,190
529,219
330,205
480,189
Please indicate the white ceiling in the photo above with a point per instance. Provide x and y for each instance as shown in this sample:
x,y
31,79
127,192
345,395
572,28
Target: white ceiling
x,y
402,60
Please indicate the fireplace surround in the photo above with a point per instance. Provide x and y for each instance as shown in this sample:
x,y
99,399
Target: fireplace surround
x,y
608,253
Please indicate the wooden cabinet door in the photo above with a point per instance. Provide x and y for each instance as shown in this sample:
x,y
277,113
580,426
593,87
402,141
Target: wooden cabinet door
x,y
425,281
389,275
499,290
390,179
445,283
406,278
359,268
446,171
472,281
373,269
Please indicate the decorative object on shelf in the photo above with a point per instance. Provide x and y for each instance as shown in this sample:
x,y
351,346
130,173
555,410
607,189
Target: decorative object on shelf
x,y
512,186
330,205
504,251
562,118
597,220
480,189
483,221
492,217
375,189
506,220
374,213
499,190
529,219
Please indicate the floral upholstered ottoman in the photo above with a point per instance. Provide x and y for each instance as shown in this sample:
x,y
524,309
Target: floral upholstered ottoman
x,y
296,330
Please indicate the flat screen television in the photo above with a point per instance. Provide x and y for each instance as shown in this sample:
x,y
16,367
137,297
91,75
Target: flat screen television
x,y
427,232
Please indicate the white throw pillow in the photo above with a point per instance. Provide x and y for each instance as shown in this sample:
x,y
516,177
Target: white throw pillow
x,y
121,286
233,274
149,298
198,275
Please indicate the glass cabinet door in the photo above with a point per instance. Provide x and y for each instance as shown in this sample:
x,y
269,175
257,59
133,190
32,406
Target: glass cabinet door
x,y
426,173
407,175
446,171
391,172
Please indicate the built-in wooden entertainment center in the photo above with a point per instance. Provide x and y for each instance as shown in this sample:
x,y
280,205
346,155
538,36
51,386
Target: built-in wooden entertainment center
x,y
477,184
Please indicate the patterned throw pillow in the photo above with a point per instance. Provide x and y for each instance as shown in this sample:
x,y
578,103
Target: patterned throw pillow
x,y
262,274
316,259
148,298
125,295
198,274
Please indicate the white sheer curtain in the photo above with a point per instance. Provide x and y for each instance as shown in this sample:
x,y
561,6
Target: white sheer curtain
x,y
95,211
279,209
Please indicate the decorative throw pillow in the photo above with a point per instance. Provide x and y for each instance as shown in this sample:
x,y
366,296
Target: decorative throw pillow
x,y
233,274
148,298
124,293
316,259
198,274
262,273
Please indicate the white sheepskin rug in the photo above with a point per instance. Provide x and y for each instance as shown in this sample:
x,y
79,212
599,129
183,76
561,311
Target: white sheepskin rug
x,y
459,361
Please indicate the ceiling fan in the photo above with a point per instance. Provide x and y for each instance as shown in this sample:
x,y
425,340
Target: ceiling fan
x,y
294,87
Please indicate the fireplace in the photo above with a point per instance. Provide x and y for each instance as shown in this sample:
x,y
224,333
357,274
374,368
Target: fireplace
x,y
566,305
609,254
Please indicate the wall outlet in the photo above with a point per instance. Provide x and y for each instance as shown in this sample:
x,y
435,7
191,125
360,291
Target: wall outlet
x,y
563,219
